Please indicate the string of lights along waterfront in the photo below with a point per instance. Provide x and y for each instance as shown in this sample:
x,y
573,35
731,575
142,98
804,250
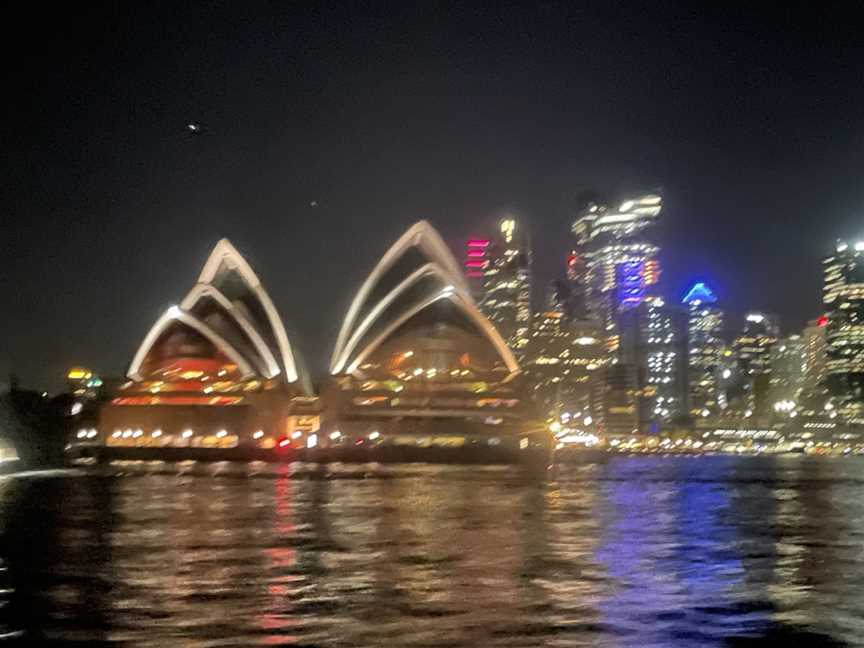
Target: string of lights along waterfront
x,y
438,357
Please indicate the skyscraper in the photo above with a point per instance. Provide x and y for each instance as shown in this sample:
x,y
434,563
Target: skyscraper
x,y
560,298
752,350
547,351
843,296
499,270
788,365
815,349
564,358
704,349
614,259
620,400
654,343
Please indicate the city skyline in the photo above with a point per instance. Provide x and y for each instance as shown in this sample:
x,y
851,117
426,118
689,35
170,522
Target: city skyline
x,y
317,134
607,358
737,313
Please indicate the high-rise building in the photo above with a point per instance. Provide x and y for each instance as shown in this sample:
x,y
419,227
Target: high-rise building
x,y
704,349
614,259
565,358
499,271
788,365
654,341
843,296
729,383
547,351
752,350
576,277
620,400
586,364
814,352
561,298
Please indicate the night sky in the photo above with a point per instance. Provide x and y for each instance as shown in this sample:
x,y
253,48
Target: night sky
x,y
750,119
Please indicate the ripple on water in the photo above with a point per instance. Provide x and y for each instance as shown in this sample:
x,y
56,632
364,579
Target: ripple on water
x,y
656,551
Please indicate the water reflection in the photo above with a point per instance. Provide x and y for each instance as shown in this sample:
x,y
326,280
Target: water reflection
x,y
56,577
670,547
635,551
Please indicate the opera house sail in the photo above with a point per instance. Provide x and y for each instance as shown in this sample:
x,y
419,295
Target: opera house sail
x,y
416,362
216,371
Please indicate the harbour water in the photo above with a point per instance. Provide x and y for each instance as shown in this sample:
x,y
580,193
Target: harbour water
x,y
633,551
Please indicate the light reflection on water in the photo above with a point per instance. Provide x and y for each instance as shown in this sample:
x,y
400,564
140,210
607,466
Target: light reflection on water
x,y
632,552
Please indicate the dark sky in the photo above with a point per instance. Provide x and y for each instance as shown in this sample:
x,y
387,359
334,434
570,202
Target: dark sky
x,y
750,118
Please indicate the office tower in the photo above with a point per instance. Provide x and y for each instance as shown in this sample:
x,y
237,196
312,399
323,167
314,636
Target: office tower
x,y
576,282
654,342
729,383
499,272
560,298
815,348
586,364
614,258
564,358
704,349
752,349
547,350
620,400
788,365
843,296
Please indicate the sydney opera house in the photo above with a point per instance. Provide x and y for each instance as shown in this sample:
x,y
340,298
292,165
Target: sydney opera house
x,y
217,371
416,370
416,366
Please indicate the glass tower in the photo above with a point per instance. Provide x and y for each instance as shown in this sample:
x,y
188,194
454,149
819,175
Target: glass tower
x,y
499,270
614,259
843,296
704,349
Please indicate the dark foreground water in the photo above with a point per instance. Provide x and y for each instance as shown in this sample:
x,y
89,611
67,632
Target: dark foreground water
x,y
633,552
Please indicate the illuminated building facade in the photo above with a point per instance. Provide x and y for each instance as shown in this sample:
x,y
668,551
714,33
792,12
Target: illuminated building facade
x,y
621,400
548,349
614,259
576,273
788,366
729,383
704,348
654,343
752,349
565,359
83,383
753,346
815,348
562,299
416,362
843,296
215,371
499,273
